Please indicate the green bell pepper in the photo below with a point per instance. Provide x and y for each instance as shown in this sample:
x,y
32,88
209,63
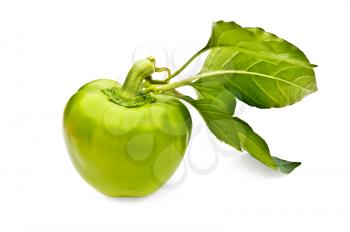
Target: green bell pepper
x,y
129,147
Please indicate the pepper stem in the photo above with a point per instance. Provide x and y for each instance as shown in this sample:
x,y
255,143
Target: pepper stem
x,y
141,69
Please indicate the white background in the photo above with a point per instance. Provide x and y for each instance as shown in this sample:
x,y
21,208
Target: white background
x,y
48,49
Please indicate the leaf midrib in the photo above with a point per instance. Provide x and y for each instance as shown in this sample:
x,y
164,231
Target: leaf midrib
x,y
224,72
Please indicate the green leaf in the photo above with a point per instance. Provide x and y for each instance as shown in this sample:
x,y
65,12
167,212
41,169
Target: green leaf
x,y
220,123
284,165
256,42
259,68
216,105
234,131
257,147
217,94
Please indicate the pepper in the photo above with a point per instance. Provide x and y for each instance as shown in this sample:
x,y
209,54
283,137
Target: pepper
x,y
122,141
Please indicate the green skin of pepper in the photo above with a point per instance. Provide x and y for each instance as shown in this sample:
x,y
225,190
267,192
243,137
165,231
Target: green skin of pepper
x,y
124,151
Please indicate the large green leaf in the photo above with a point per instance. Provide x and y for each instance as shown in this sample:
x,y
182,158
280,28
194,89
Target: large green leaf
x,y
256,42
257,147
256,66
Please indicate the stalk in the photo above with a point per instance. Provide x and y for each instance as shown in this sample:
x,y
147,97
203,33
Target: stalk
x,y
187,63
142,69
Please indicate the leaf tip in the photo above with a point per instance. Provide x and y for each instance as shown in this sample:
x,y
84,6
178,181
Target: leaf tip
x,y
285,166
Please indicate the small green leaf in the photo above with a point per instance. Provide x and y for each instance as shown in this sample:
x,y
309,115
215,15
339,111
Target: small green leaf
x,y
218,94
216,105
257,147
219,122
235,132
259,68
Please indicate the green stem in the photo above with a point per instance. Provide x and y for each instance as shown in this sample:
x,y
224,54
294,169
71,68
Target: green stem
x,y
144,68
172,85
139,71
189,80
187,63
162,69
